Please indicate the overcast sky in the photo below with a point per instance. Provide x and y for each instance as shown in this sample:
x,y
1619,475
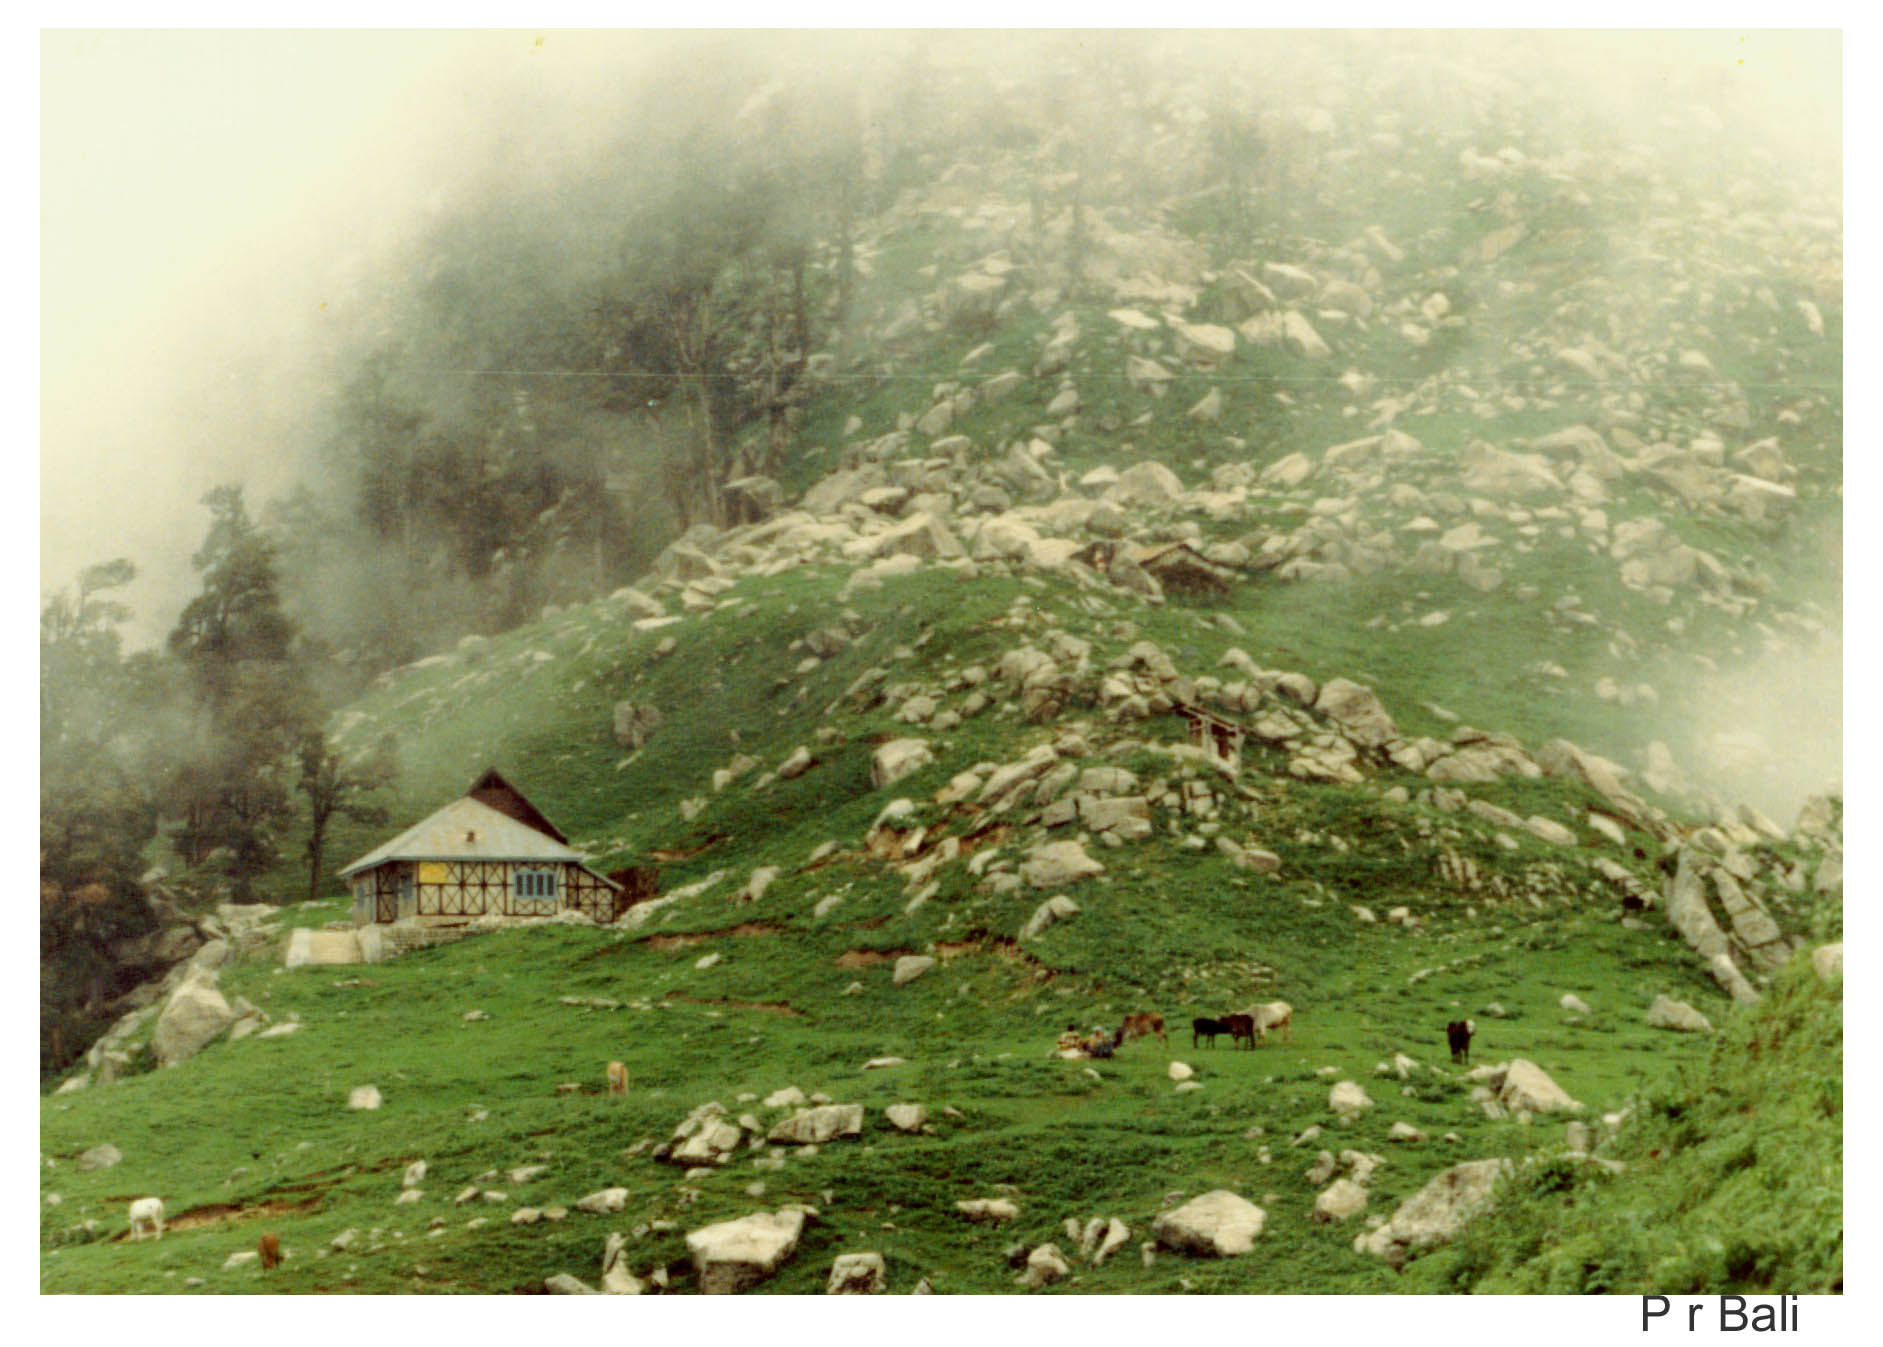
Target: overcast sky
x,y
206,198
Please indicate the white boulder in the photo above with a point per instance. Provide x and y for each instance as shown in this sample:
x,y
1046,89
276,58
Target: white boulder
x,y
1667,1013
1217,1224
731,1256
856,1274
896,759
1436,1212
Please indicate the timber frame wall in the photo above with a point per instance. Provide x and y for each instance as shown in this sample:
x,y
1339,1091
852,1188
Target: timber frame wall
x,y
480,888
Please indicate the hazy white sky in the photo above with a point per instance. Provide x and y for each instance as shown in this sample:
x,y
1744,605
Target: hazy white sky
x,y
204,198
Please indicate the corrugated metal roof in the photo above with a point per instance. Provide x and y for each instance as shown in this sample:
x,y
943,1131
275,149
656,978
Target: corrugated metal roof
x,y
467,829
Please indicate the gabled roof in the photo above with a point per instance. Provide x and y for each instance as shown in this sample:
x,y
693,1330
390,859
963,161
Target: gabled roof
x,y
1195,712
505,798
468,829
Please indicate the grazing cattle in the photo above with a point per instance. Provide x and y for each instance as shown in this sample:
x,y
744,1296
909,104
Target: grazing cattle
x,y
1142,1026
269,1247
1240,1027
1458,1036
1206,1029
1276,1015
147,1215
617,1078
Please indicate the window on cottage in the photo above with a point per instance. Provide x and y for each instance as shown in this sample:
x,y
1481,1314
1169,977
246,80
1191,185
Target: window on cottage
x,y
536,886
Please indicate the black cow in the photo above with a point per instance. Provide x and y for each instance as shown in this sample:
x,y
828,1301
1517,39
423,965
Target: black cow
x,y
1206,1029
1458,1035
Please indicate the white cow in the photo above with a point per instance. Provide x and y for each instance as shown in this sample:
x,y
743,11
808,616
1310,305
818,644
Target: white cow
x,y
147,1214
1277,1015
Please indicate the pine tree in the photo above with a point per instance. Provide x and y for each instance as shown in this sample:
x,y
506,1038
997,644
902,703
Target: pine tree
x,y
237,648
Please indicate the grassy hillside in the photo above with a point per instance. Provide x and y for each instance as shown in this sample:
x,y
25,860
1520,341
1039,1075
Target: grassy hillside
x,y
480,1096
1507,499
1166,927
1735,1178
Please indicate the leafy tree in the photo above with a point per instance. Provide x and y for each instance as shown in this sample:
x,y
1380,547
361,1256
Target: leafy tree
x,y
95,734
96,808
333,785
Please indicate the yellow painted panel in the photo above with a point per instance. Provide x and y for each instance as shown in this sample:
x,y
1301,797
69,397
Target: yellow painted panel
x,y
432,872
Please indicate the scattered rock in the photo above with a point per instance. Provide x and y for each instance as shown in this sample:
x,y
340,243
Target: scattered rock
x,y
1342,1199
1436,1212
1527,1086
364,1096
635,725
605,1202
1667,1013
896,759
857,1274
1045,1265
1052,864
1348,1099
730,1256
814,1126
991,1209
1057,908
910,967
195,1016
1217,1224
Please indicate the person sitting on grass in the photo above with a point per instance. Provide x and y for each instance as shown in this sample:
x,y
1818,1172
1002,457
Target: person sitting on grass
x,y
1070,1040
1099,1044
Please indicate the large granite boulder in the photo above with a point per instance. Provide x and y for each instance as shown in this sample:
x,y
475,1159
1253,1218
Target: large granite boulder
x,y
1436,1212
896,759
1527,1087
194,1018
1357,711
1217,1224
731,1256
1055,863
813,1126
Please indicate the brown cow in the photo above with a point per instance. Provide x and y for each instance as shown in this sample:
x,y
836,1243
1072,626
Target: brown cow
x,y
269,1248
1142,1026
1241,1029
617,1078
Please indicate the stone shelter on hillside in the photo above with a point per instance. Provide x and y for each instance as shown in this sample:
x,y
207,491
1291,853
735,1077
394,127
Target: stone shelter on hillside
x,y
490,853
1181,569
1216,735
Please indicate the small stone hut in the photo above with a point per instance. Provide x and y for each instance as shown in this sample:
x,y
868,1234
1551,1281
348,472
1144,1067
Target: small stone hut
x,y
1181,569
489,853
1215,735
